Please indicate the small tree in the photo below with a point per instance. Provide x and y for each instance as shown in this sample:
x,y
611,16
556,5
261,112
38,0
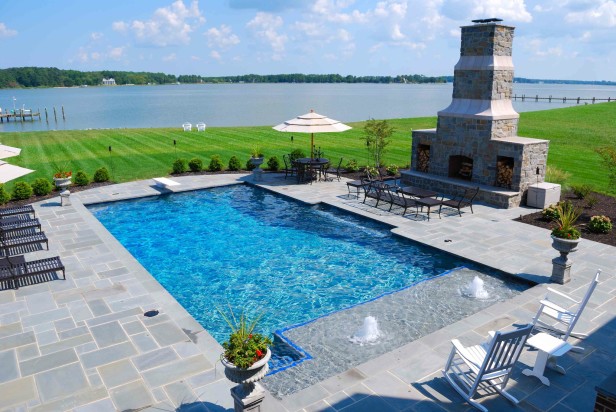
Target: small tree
x,y
22,191
42,187
216,164
81,178
608,154
234,163
377,134
101,175
5,196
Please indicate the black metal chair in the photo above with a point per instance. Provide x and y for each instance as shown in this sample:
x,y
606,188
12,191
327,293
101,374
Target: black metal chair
x,y
13,268
17,210
460,202
18,222
12,243
398,199
335,171
289,168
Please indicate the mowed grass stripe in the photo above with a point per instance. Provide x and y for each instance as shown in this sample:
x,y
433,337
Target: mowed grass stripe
x,y
574,134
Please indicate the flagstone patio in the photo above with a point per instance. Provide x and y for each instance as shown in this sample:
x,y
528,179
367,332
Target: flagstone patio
x,y
84,344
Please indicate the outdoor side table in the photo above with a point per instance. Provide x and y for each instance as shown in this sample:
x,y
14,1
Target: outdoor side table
x,y
429,202
547,346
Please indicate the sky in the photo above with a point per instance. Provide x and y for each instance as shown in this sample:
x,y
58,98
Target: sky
x,y
554,39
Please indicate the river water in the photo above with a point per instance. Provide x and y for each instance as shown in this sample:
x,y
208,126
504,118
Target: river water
x,y
251,104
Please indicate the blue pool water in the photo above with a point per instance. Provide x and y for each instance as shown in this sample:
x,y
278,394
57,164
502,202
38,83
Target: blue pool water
x,y
260,253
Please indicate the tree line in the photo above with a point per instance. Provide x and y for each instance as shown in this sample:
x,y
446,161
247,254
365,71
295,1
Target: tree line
x,y
52,77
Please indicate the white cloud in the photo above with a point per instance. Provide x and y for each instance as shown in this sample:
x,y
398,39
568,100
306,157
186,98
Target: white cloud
x,y
221,38
195,58
514,10
170,57
96,36
5,32
169,26
602,14
119,26
85,55
116,53
264,27
215,55
538,49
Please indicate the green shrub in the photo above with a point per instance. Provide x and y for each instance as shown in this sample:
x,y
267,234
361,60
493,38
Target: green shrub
x,y
179,166
273,164
352,166
550,213
567,216
101,175
42,187
215,164
600,224
4,195
250,166
22,191
81,178
392,170
296,154
581,191
234,164
195,165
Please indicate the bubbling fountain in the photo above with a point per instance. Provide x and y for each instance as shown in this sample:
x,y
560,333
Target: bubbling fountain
x,y
475,289
368,333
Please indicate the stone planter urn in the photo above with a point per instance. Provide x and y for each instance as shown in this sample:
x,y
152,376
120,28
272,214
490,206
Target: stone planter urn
x,y
561,266
249,394
257,172
62,182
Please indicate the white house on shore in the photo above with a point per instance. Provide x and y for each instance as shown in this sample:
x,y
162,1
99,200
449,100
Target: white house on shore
x,y
109,82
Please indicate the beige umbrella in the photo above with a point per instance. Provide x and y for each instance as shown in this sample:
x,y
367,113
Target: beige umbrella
x,y
312,123
8,151
9,172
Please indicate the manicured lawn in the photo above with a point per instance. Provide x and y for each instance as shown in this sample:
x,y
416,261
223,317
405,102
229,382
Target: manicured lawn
x,y
573,132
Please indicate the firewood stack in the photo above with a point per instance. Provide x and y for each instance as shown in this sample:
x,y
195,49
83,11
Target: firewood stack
x,y
423,159
504,174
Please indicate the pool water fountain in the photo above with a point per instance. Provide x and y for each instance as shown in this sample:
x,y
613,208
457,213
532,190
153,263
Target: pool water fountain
x,y
475,289
369,332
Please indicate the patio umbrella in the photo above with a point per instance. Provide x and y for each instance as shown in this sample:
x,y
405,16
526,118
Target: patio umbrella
x,y
312,123
8,151
9,172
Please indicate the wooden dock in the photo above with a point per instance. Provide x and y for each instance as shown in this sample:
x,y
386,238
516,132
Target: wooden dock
x,y
576,100
20,114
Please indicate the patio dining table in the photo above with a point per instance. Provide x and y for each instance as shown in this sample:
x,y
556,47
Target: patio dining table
x,y
307,167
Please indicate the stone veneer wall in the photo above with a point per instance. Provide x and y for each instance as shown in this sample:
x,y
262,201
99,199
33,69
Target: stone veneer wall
x,y
486,40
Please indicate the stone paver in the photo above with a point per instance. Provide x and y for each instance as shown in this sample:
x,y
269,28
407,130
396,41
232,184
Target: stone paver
x,y
83,344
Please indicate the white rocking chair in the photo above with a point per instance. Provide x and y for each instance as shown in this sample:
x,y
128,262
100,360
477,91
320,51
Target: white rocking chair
x,y
566,317
487,365
187,127
201,127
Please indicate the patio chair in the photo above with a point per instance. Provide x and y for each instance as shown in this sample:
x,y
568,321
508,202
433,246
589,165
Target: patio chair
x,y
289,168
18,222
201,127
461,201
18,210
398,199
561,320
375,190
13,268
388,180
334,171
187,127
12,243
487,365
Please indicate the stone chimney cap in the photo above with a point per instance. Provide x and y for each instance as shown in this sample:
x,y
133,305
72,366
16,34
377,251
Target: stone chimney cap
x,y
492,20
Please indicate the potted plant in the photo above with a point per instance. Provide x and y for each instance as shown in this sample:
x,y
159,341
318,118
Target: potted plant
x,y
565,239
62,176
245,359
256,156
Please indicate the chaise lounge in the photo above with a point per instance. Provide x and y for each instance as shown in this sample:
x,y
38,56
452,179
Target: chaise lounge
x,y
18,210
13,268
12,243
18,222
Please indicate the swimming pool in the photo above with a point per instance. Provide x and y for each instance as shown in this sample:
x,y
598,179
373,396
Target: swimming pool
x,y
258,252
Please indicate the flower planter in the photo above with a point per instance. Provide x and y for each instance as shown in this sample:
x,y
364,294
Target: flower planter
x,y
249,394
561,266
62,182
252,374
257,173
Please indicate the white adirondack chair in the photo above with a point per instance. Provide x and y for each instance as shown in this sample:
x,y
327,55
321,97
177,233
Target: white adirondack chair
x,y
561,320
201,127
187,127
485,365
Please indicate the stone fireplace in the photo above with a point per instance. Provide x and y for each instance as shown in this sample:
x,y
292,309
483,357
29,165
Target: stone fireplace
x,y
475,142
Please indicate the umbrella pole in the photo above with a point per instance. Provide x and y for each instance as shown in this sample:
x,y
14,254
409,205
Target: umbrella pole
x,y
312,145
